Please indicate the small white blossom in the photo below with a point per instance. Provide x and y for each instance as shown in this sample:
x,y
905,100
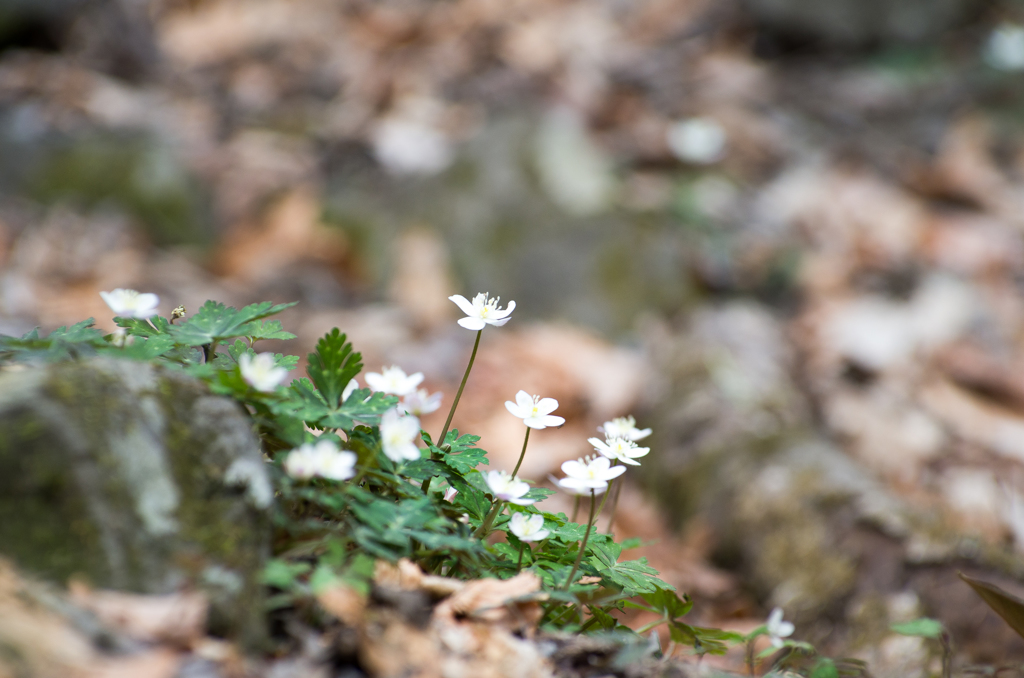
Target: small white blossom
x,y
131,304
623,427
619,449
508,488
777,628
534,410
570,485
1005,48
528,528
482,311
323,459
394,381
589,473
352,385
450,493
419,402
398,434
698,140
261,372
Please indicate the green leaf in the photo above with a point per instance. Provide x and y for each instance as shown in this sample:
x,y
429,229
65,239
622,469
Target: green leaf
x,y
332,365
215,322
635,577
283,574
77,333
825,668
267,329
141,349
462,455
923,628
139,327
1006,605
669,603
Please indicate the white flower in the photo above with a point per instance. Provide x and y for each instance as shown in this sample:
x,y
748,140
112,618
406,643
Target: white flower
x,y
323,459
261,372
398,435
571,486
450,493
623,427
778,629
419,402
482,311
508,488
349,387
528,529
534,410
589,473
698,140
131,304
620,449
393,381
1005,48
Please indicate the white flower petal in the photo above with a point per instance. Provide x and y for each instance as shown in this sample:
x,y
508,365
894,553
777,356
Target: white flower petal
x,y
546,405
514,409
525,401
463,303
499,323
472,323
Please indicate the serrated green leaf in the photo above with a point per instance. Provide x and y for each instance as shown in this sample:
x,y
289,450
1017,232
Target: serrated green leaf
x,y
361,406
139,327
215,322
463,456
332,365
259,330
635,577
141,348
77,333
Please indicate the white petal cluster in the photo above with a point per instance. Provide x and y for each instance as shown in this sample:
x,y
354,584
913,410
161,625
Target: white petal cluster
x,y
261,372
131,304
393,381
398,434
420,402
508,488
482,311
619,449
589,473
623,427
528,528
700,141
777,628
1004,49
534,410
323,459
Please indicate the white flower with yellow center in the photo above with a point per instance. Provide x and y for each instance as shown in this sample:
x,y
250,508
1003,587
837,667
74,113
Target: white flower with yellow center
x,y
131,304
398,435
528,528
508,488
534,410
482,311
261,372
393,381
623,427
619,449
323,459
589,473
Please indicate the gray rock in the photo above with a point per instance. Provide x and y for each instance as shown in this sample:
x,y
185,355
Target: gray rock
x,y
134,478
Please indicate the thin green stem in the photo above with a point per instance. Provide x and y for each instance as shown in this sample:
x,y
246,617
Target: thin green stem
x,y
575,509
583,544
604,499
519,564
485,527
465,377
522,455
455,403
615,505
647,627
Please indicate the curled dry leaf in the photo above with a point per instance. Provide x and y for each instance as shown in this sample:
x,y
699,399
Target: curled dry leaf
x,y
178,618
408,576
495,600
343,602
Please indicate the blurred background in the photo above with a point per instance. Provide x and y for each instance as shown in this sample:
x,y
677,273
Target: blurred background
x,y
787,234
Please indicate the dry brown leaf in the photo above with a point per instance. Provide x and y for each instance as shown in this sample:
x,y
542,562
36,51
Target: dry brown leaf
x,y
178,618
494,600
344,602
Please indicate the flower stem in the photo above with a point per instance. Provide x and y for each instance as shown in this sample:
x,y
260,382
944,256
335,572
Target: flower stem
x,y
485,527
522,454
615,505
519,565
465,377
575,509
583,544
604,499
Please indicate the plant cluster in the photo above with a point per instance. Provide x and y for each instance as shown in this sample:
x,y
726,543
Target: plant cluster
x,y
357,479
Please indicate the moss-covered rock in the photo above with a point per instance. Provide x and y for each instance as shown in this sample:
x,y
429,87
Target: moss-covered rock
x,y
134,478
